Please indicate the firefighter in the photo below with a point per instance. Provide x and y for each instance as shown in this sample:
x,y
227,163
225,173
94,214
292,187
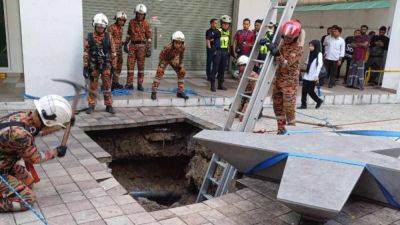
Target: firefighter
x,y
116,32
99,58
172,54
137,45
287,57
222,54
17,134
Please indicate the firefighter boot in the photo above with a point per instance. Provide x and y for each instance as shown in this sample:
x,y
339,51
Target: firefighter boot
x,y
140,87
110,109
213,87
116,86
182,94
129,87
154,95
90,110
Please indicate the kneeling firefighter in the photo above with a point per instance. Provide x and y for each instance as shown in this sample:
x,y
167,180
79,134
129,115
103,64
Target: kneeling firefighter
x,y
172,54
287,57
99,58
17,135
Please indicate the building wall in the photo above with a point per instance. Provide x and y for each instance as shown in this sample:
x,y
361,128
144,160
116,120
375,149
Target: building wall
x,y
252,9
52,43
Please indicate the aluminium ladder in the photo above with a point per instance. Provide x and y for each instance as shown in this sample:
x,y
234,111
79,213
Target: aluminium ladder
x,y
256,101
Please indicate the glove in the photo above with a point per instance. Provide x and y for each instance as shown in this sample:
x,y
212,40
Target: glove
x,y
61,151
273,49
85,72
148,52
263,41
72,121
126,49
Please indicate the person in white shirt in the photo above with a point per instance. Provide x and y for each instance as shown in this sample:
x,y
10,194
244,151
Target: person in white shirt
x,y
310,78
334,53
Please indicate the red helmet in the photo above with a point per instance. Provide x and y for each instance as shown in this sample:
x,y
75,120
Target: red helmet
x,y
291,28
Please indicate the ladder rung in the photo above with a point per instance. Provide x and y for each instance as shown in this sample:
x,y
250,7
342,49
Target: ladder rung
x,y
240,113
252,78
208,196
221,164
214,181
257,61
280,7
245,96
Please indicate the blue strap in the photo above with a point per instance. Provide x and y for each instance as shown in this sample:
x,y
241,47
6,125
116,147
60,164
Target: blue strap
x,y
372,133
271,161
36,213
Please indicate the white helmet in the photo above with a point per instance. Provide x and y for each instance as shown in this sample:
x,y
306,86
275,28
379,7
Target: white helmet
x,y
226,19
54,110
178,36
121,15
141,8
100,19
242,60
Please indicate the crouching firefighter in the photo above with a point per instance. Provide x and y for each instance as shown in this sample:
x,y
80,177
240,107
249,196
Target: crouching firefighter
x,y
287,57
99,58
17,135
172,54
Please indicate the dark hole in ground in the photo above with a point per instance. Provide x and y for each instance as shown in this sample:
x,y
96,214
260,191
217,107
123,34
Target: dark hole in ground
x,y
161,165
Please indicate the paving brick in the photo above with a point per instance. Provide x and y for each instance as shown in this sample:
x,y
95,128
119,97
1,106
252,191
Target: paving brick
x,y
49,201
72,197
79,205
96,222
215,203
231,198
7,219
117,191
247,193
100,175
387,216
62,220
172,221
193,219
180,211
120,220
123,199
56,173
86,216
162,214
109,183
291,218
95,192
141,218
211,214
55,210
229,210
89,184
245,205
132,208
226,221
61,180
102,201
76,170
67,188
198,207
81,177
96,167
110,211
25,217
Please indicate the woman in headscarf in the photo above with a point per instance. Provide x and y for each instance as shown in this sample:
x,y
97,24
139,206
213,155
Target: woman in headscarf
x,y
310,78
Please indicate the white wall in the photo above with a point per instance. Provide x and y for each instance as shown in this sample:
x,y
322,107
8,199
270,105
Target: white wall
x,y
252,9
392,80
52,43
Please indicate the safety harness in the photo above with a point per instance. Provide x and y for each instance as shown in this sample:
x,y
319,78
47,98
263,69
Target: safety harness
x,y
99,57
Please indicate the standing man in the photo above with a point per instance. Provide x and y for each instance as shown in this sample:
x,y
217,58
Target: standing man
x,y
257,26
357,68
212,37
287,76
116,32
377,53
348,55
139,42
328,33
17,134
244,40
172,54
98,59
334,53
222,54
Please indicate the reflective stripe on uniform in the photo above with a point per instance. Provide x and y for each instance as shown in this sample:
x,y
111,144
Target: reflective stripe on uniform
x,y
225,35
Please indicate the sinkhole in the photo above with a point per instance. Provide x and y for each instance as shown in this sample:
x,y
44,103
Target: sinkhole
x,y
160,165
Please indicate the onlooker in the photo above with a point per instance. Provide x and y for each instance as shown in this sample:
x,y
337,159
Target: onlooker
x,y
348,55
257,26
244,40
371,34
310,78
357,68
212,37
328,33
378,50
364,29
334,53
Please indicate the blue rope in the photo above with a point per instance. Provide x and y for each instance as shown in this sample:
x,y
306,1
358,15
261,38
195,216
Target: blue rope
x,y
37,214
372,133
267,163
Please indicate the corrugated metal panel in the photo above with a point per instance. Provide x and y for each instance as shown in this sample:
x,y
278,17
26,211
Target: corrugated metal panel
x,y
190,16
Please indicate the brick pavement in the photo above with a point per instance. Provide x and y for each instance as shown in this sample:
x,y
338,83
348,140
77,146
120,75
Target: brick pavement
x,y
79,189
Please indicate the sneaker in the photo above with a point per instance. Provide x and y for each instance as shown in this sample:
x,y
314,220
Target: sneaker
x,y
182,95
116,86
302,107
129,87
140,87
154,95
90,110
319,104
110,109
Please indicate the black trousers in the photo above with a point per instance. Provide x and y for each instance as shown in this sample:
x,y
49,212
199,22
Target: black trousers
x,y
332,69
210,60
219,66
309,88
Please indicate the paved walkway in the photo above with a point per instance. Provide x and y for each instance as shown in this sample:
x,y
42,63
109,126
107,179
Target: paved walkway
x,y
79,188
